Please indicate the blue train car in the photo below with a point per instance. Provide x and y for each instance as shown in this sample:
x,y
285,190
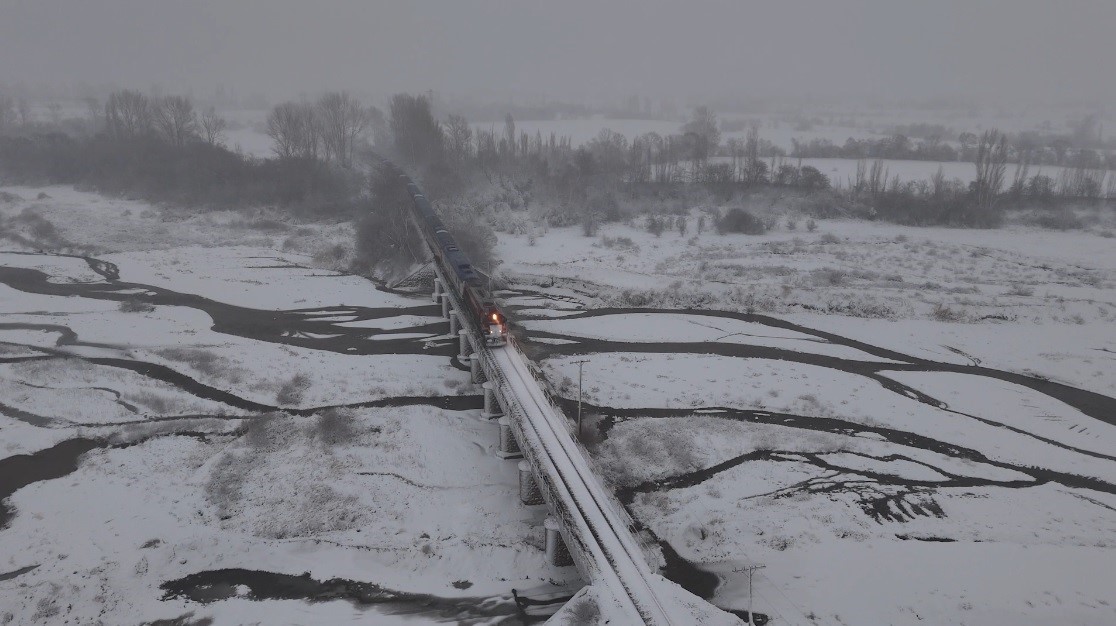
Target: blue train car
x,y
487,317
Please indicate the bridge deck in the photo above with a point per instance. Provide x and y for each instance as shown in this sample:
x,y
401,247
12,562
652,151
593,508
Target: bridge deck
x,y
597,530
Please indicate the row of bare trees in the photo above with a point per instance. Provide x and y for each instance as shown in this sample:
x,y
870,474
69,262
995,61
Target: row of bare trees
x,y
130,114
15,112
330,128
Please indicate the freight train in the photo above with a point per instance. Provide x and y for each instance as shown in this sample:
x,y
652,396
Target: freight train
x,y
488,320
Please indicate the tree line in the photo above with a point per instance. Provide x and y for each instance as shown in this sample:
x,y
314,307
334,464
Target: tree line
x,y
164,149
1028,148
330,129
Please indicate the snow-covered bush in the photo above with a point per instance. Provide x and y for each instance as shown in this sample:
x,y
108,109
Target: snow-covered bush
x,y
737,220
290,392
135,305
336,426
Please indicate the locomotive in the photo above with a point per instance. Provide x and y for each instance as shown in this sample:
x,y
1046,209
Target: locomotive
x,y
487,317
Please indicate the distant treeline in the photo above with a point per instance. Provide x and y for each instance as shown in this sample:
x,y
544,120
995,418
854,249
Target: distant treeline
x,y
934,149
162,150
584,181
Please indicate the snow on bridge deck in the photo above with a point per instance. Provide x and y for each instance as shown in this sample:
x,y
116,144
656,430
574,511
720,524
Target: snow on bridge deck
x,y
597,531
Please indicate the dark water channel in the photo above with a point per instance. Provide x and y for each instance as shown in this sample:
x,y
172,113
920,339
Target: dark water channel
x,y
16,472
319,329
215,585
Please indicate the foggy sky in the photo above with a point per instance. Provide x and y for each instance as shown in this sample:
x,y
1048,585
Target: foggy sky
x,y
1033,50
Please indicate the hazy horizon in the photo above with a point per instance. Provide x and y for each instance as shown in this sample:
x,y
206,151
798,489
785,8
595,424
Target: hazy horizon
x,y
994,51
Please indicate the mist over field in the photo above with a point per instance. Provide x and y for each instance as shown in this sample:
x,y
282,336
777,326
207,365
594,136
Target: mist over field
x,y
1000,50
577,312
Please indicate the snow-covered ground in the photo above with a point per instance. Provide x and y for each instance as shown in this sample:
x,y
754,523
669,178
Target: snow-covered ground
x,y
842,172
905,425
165,418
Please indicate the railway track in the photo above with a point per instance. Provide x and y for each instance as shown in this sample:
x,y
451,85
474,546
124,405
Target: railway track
x,y
588,512
597,531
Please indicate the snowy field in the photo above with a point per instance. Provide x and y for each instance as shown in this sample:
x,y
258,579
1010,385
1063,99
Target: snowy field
x,y
925,411
905,425
842,172
192,421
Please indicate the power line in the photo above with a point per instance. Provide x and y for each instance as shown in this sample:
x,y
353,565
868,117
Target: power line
x,y
751,569
579,372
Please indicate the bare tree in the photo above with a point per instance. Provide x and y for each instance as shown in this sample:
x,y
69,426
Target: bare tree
x,y
509,133
341,121
991,160
294,129
213,126
381,132
418,136
128,114
703,137
24,112
459,139
93,109
176,120
7,112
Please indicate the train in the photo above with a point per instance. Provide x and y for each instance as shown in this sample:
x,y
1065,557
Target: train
x,y
489,322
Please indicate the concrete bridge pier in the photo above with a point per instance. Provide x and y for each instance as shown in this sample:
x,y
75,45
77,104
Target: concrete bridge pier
x,y
455,322
476,372
509,447
465,346
437,288
529,492
492,407
557,554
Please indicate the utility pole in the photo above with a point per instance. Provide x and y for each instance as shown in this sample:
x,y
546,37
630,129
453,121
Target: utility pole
x,y
751,569
579,372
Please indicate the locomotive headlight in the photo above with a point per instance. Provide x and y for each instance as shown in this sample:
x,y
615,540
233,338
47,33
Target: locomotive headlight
x,y
495,317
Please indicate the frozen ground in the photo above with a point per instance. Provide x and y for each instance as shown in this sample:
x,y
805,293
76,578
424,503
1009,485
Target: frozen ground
x,y
842,172
905,425
192,420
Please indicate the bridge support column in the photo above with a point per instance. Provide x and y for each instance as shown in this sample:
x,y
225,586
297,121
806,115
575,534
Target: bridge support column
x,y
437,288
509,447
529,492
465,348
476,371
492,408
557,554
445,305
454,322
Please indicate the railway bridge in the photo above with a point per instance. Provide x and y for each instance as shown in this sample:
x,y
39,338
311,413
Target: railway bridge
x,y
587,526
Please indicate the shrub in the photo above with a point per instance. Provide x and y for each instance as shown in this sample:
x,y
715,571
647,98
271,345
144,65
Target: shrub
x,y
943,313
622,243
291,391
738,220
261,432
135,305
336,426
831,276
811,225
1059,220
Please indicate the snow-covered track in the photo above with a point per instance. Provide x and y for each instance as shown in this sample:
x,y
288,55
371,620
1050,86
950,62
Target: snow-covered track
x,y
596,529
598,535
598,532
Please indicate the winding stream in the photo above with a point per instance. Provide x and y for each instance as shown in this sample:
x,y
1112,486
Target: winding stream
x,y
320,329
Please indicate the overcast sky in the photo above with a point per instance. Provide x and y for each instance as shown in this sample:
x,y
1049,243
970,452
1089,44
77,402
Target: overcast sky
x,y
1035,50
